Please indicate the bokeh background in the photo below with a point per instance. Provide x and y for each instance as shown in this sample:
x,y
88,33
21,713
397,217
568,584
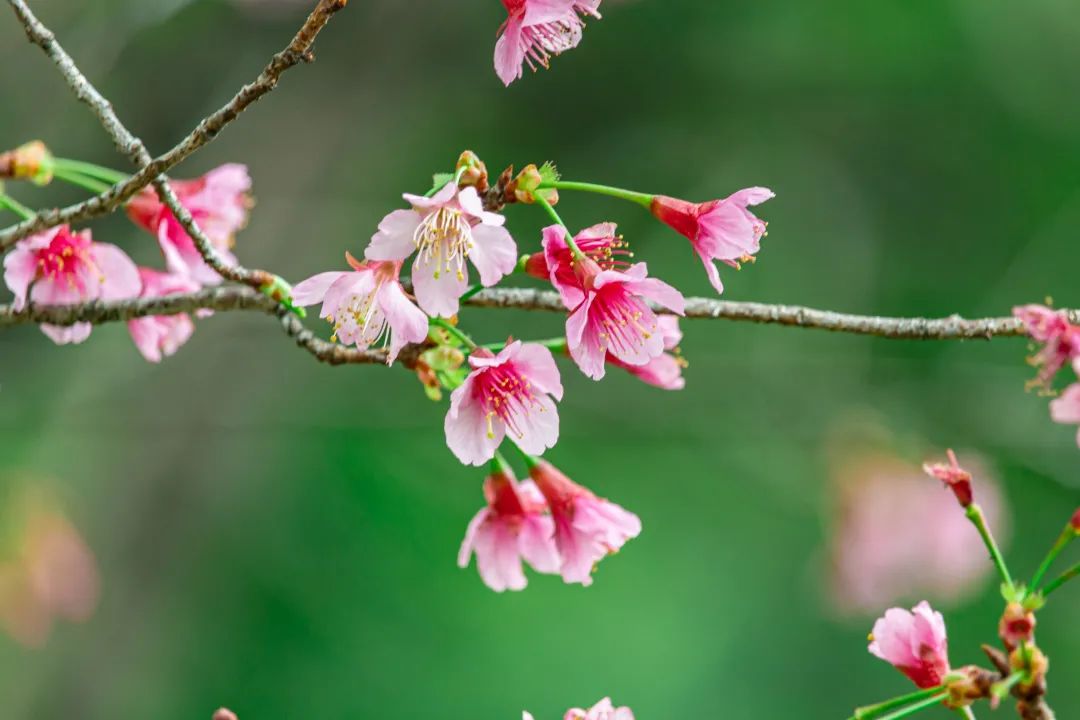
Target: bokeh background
x,y
280,536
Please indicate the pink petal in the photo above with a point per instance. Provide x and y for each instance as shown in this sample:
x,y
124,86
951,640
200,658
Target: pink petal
x,y
539,426
395,238
494,253
20,268
537,543
467,430
408,324
121,276
313,290
537,363
509,51
660,292
74,334
438,296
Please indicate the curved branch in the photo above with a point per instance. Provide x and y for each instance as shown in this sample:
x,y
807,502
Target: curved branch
x,y
229,298
298,51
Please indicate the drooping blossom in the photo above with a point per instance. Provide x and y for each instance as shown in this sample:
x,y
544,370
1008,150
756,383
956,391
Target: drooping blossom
x,y
1060,340
897,536
609,313
956,478
509,393
1066,408
514,526
61,267
218,201
914,642
444,231
664,371
160,336
536,30
587,528
52,574
600,243
366,305
719,230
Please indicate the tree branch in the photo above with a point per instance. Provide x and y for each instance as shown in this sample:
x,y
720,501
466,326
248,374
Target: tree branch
x,y
298,51
229,298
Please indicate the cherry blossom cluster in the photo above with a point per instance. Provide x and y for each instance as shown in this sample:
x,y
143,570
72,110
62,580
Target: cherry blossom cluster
x,y
510,390
915,641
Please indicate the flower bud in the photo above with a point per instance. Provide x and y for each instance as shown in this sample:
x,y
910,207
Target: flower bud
x,y
1075,522
537,266
955,477
1017,625
527,184
968,684
1031,659
31,161
224,714
475,172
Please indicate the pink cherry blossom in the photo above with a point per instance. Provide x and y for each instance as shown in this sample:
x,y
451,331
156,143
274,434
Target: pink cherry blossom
x,y
664,371
1066,408
366,305
444,231
956,478
160,336
609,310
721,230
603,710
915,643
600,243
506,393
587,528
536,30
61,267
219,203
897,535
514,526
1060,340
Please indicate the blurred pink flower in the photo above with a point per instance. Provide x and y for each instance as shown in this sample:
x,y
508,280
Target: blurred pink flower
x,y
61,267
366,305
53,575
536,30
160,336
587,528
915,643
224,714
511,391
1059,337
1066,409
219,202
602,710
514,526
723,230
444,231
897,534
664,371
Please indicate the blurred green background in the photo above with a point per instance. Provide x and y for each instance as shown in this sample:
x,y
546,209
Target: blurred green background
x,y
280,536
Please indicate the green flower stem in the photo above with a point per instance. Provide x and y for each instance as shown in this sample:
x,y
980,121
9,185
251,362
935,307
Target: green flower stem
x,y
868,712
500,465
917,707
455,180
450,328
542,202
1065,577
966,711
10,203
1002,687
1067,536
90,170
471,292
975,515
642,199
76,178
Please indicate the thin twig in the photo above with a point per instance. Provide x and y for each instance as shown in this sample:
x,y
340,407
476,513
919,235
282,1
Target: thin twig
x,y
241,298
298,51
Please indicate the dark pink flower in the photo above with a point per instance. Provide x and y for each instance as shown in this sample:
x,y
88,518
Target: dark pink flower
x,y
59,267
609,309
664,371
218,201
506,393
723,230
444,231
600,243
587,528
366,305
160,336
536,30
514,526
955,478
1060,340
915,643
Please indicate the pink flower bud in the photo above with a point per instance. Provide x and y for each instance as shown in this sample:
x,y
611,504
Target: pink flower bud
x,y
1017,625
955,477
914,642
1076,521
